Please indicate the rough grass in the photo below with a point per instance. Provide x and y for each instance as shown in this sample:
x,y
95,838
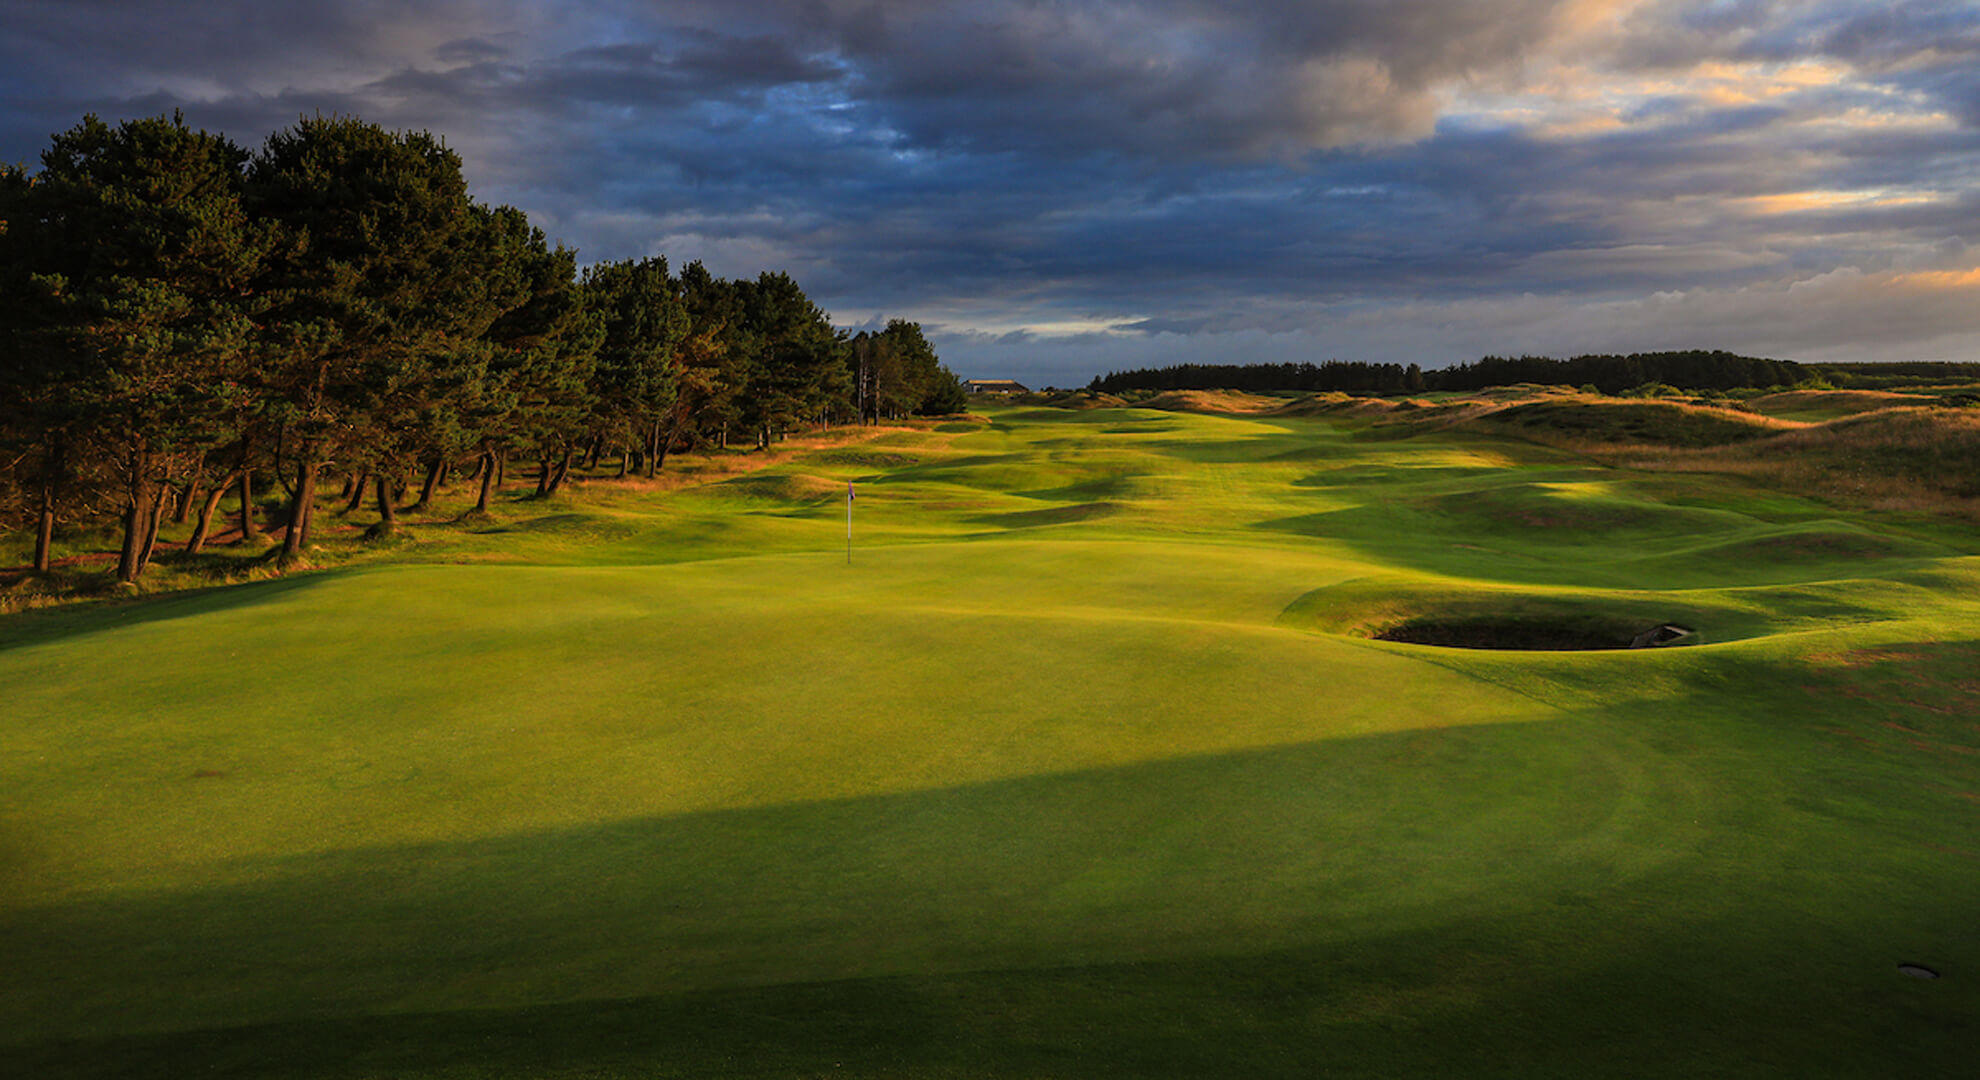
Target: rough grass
x,y
1819,405
1211,401
1636,423
1911,460
1024,789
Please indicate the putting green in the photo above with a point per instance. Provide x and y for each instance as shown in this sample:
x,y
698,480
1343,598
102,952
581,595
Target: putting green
x,y
1077,768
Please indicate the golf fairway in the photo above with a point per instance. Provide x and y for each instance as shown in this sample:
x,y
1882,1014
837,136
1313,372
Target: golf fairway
x,y
1080,765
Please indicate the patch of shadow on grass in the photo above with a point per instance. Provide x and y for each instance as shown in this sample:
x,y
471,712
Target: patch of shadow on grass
x,y
1097,489
1390,477
1028,872
863,459
583,526
44,625
1770,556
948,468
1262,447
1545,511
1573,962
1827,545
1051,515
1523,514
1270,1014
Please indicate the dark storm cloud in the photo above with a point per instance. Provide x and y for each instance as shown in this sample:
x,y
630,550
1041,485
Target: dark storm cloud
x,y
1245,172
1177,78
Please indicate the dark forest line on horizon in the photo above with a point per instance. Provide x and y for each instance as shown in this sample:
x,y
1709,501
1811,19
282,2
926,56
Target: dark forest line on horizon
x,y
1608,373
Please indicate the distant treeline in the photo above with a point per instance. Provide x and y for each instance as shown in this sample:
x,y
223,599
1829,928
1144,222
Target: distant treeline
x,y
1913,373
1264,378
1691,370
181,318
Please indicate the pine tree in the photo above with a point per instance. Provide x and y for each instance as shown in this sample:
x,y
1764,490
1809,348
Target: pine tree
x,y
145,260
386,275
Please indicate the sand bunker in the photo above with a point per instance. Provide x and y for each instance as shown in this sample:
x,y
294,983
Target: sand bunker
x,y
1532,635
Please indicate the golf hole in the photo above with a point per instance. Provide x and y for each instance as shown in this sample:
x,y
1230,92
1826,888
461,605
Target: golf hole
x,y
1918,971
1533,635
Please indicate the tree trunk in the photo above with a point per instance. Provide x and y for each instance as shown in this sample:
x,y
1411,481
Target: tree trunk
x,y
44,532
597,448
137,518
426,489
487,470
250,532
673,434
388,518
54,466
127,556
356,491
204,522
563,471
625,462
151,531
501,469
186,496
292,545
542,477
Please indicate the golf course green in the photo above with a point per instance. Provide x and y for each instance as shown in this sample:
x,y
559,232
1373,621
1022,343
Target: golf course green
x,y
1087,760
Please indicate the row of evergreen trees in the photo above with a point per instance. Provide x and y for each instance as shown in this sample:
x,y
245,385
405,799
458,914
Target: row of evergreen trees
x,y
180,317
1611,374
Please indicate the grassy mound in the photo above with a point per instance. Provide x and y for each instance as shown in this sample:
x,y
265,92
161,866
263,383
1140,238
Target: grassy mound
x,y
1336,404
1819,405
1211,401
1072,399
797,489
1644,423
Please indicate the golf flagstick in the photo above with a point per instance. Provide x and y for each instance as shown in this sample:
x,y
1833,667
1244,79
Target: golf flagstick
x,y
849,523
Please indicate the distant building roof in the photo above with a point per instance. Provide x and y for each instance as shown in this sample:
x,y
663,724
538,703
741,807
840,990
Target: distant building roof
x,y
994,386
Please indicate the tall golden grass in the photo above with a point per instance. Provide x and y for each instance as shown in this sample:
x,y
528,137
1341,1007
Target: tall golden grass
x,y
1902,460
1835,402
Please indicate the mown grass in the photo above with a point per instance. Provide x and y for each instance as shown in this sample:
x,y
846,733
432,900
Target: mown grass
x,y
652,782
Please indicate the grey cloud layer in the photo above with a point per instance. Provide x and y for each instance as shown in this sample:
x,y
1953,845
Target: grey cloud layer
x,y
1178,168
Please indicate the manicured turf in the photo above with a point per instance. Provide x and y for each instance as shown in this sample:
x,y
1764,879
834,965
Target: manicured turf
x,y
1084,766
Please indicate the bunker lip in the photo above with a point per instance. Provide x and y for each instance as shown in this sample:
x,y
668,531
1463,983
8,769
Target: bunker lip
x,y
1533,635
1919,971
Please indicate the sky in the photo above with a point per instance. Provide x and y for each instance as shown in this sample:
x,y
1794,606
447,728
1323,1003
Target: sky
x,y
1059,188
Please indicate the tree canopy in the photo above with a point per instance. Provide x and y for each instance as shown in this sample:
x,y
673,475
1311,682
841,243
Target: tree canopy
x,y
179,314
